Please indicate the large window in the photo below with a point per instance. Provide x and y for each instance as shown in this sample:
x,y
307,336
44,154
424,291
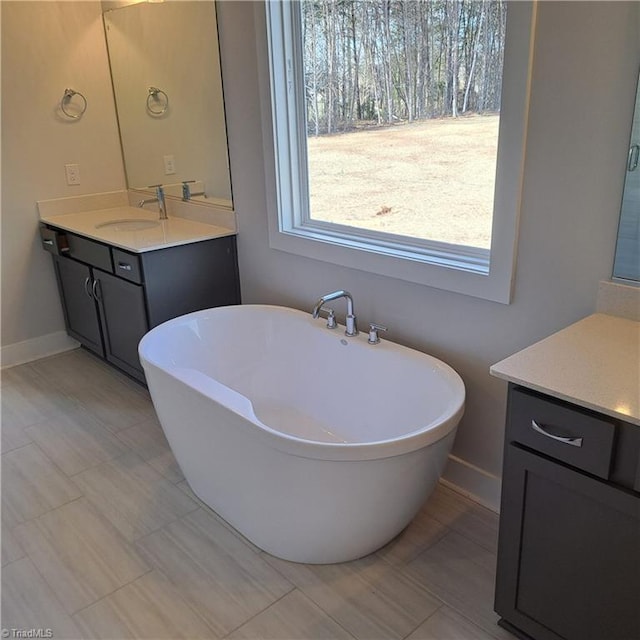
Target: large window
x,y
399,137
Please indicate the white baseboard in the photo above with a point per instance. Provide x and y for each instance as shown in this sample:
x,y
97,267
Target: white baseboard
x,y
475,483
36,348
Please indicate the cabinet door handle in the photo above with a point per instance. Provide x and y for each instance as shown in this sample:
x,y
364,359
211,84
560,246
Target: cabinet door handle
x,y
87,290
96,289
125,266
574,442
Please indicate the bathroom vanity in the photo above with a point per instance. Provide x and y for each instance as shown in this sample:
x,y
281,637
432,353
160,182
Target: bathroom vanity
x,y
569,545
121,272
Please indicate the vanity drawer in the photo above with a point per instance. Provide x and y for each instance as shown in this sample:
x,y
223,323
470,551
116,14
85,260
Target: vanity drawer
x,y
53,241
127,266
574,436
90,252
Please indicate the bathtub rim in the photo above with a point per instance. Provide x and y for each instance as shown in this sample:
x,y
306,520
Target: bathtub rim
x,y
414,440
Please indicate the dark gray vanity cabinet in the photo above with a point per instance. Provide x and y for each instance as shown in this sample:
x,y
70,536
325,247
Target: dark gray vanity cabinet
x,y
112,297
569,545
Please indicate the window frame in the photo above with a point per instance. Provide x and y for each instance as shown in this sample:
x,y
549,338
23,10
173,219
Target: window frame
x,y
482,273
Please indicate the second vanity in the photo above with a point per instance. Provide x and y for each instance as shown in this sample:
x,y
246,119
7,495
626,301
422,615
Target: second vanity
x,y
569,544
121,271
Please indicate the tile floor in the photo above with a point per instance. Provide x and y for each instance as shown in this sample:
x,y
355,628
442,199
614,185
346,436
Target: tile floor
x,y
103,538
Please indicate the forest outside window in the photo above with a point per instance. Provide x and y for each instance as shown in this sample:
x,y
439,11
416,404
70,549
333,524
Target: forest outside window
x,y
386,117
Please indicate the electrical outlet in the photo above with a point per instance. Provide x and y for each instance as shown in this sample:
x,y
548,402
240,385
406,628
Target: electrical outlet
x,y
72,172
169,165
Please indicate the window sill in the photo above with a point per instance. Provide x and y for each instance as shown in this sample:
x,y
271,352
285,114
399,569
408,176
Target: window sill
x,y
472,275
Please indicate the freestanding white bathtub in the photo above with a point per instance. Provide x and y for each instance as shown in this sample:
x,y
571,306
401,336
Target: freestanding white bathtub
x,y
317,447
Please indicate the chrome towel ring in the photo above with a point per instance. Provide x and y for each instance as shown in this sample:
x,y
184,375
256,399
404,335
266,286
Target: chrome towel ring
x,y
66,99
157,101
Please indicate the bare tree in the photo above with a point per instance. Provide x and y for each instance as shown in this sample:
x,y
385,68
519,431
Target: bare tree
x,y
382,61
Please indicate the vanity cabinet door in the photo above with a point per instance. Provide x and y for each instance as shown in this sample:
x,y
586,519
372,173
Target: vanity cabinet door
x,y
124,320
569,552
79,307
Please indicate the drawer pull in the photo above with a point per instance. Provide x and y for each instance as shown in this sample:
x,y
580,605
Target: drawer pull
x,y
48,242
124,266
574,442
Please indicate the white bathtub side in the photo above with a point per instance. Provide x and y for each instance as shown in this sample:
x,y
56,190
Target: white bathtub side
x,y
297,508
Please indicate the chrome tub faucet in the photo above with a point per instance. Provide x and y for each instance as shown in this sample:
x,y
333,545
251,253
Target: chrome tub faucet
x,y
351,320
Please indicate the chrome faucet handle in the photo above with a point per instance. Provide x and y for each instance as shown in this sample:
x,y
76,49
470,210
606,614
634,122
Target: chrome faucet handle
x,y
374,338
331,317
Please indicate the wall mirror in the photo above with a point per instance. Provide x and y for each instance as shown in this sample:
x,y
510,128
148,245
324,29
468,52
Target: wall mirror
x,y
627,260
165,69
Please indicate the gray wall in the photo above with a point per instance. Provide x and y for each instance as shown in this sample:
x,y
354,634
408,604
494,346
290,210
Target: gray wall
x,y
47,47
585,65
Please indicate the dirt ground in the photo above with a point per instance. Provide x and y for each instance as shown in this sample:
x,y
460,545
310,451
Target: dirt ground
x,y
431,180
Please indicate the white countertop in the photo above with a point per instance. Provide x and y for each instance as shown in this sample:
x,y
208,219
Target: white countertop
x,y
169,233
594,363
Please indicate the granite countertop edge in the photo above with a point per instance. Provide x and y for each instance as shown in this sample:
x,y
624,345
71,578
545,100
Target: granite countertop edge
x,y
593,363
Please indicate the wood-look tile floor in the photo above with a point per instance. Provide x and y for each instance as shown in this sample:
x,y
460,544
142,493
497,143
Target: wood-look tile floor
x,y
103,538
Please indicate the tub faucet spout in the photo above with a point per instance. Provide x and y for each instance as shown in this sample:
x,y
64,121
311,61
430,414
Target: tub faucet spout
x,y
351,320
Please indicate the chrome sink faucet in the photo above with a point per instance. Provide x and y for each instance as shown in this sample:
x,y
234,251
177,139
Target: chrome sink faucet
x,y
187,194
162,207
351,321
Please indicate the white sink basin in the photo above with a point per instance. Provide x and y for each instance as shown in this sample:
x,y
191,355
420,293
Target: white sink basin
x,y
129,224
